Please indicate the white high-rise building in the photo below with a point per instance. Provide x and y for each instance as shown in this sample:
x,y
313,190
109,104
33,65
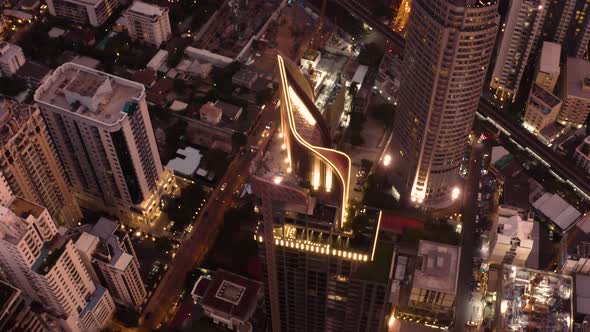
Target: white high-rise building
x,y
447,52
518,35
11,58
46,266
147,23
103,134
548,68
93,12
575,93
109,251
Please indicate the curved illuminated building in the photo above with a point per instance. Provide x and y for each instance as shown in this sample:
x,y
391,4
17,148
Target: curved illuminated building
x,y
320,276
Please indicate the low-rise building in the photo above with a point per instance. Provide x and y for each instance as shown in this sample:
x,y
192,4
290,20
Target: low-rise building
x,y
582,154
387,81
557,211
186,162
531,300
34,74
82,12
581,317
575,93
210,113
11,58
574,256
434,285
510,239
310,59
158,60
229,299
548,67
541,110
245,77
148,23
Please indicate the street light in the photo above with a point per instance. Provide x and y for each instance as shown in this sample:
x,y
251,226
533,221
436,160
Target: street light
x,y
455,193
386,160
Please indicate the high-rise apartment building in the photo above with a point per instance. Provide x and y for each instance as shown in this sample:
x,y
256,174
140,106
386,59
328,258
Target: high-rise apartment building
x,y
103,134
148,23
518,36
582,155
571,22
575,93
11,58
93,12
447,52
548,69
18,313
108,251
29,163
320,275
46,266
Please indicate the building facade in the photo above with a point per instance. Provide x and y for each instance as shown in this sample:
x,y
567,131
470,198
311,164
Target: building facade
x,y
518,36
548,69
93,12
46,266
572,27
318,276
448,48
582,155
541,110
103,134
11,58
29,163
148,23
575,93
18,314
109,252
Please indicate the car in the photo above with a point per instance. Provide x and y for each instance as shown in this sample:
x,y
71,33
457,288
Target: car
x,y
477,218
223,186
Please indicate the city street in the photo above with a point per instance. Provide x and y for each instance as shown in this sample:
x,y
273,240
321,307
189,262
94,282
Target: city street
x,y
194,248
470,210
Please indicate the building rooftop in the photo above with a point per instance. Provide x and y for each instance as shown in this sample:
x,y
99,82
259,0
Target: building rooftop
x,y
550,55
230,111
8,50
577,74
23,208
12,116
510,227
516,192
232,294
437,267
380,268
150,11
50,254
584,148
186,162
578,239
533,300
89,93
545,96
557,209
94,300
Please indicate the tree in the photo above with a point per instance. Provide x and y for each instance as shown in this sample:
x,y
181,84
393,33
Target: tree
x,y
382,11
238,140
384,113
263,96
371,54
163,244
359,223
353,88
183,209
11,86
222,77
216,161
174,58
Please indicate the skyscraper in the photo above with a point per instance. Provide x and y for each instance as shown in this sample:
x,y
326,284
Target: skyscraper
x,y
29,162
108,251
46,266
447,52
320,274
103,134
571,22
518,36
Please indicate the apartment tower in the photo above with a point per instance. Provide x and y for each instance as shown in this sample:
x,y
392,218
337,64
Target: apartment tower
x,y
30,165
92,12
320,274
103,134
447,52
148,23
572,27
46,266
108,251
517,38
